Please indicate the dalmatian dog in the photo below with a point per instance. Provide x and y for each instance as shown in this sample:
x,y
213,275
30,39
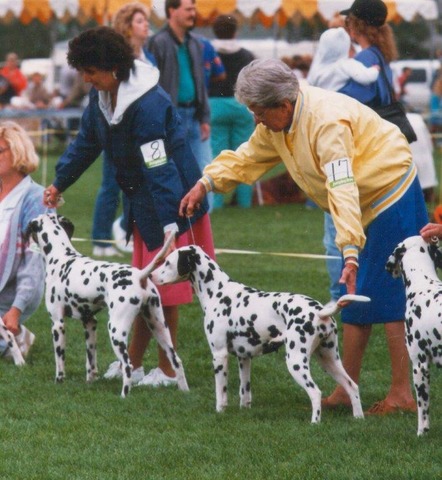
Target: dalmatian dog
x,y
247,323
78,287
13,348
416,261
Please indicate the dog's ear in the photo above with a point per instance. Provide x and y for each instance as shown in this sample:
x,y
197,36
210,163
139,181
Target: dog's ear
x,y
31,231
435,254
67,225
393,264
187,260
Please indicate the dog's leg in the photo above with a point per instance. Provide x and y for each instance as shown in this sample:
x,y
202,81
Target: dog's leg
x,y
90,332
154,317
245,392
119,326
59,342
298,365
328,356
9,338
221,370
421,380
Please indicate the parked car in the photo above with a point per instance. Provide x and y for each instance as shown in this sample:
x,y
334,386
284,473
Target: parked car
x,y
418,86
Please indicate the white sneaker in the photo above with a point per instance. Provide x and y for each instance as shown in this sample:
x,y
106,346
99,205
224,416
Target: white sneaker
x,y
25,339
105,252
114,371
119,235
156,378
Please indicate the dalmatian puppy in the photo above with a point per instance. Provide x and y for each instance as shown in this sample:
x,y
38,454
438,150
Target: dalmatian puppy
x,y
247,322
416,261
78,287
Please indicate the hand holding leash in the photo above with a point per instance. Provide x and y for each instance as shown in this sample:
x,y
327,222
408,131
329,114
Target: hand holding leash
x,y
348,277
431,230
52,197
192,200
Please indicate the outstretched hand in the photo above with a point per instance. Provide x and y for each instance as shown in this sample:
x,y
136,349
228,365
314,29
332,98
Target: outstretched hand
x,y
51,197
348,277
192,200
431,230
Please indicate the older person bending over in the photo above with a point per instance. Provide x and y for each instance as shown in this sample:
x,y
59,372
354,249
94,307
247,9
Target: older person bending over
x,y
21,268
352,164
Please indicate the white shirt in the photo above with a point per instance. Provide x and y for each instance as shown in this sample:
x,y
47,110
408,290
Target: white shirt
x,y
8,204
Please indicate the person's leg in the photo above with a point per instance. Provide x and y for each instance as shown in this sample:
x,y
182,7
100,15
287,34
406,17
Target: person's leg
x,y
244,195
139,341
355,340
241,126
400,394
219,137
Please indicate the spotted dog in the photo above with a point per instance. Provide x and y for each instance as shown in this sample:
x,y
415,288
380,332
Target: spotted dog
x,y
247,322
78,287
416,261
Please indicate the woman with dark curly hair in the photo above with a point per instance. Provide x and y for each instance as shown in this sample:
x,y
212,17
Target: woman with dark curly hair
x,y
131,21
131,119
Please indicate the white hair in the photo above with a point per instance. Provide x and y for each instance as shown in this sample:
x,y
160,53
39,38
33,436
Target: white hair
x,y
266,83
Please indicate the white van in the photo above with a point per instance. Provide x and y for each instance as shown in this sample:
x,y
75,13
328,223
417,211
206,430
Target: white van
x,y
418,86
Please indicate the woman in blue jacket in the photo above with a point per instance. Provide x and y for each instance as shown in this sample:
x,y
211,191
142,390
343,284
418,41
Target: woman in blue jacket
x,y
133,121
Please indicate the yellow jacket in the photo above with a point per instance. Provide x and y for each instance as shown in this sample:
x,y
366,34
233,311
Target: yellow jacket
x,y
347,159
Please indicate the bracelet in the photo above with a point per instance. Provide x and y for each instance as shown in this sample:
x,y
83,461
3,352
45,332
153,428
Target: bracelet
x,y
352,261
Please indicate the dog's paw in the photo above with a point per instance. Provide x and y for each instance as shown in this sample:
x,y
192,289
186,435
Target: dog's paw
x,y
19,362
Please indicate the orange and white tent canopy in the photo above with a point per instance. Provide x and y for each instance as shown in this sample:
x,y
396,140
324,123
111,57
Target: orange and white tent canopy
x,y
265,11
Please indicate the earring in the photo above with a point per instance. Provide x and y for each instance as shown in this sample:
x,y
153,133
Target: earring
x,y
114,75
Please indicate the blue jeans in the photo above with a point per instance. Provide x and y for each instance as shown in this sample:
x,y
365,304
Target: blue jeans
x,y
201,149
334,267
106,205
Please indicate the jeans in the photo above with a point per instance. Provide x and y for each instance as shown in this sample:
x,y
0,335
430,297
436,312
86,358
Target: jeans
x,y
334,266
106,205
201,149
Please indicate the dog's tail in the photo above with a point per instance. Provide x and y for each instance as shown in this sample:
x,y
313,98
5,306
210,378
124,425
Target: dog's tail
x,y
343,301
147,270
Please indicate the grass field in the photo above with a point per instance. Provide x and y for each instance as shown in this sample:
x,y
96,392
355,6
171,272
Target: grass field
x,y
79,431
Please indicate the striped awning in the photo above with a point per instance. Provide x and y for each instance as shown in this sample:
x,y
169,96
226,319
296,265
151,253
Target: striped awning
x,y
266,11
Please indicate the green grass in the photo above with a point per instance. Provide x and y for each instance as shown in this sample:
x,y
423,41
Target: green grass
x,y
86,431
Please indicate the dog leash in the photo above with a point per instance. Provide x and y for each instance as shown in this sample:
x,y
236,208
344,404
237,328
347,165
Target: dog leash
x,y
191,230
277,254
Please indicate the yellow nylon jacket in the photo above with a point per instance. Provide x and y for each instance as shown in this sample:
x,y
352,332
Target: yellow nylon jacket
x,y
347,159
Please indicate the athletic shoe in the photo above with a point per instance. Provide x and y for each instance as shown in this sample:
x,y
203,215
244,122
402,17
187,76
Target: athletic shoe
x,y
114,371
119,235
105,252
156,378
25,339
